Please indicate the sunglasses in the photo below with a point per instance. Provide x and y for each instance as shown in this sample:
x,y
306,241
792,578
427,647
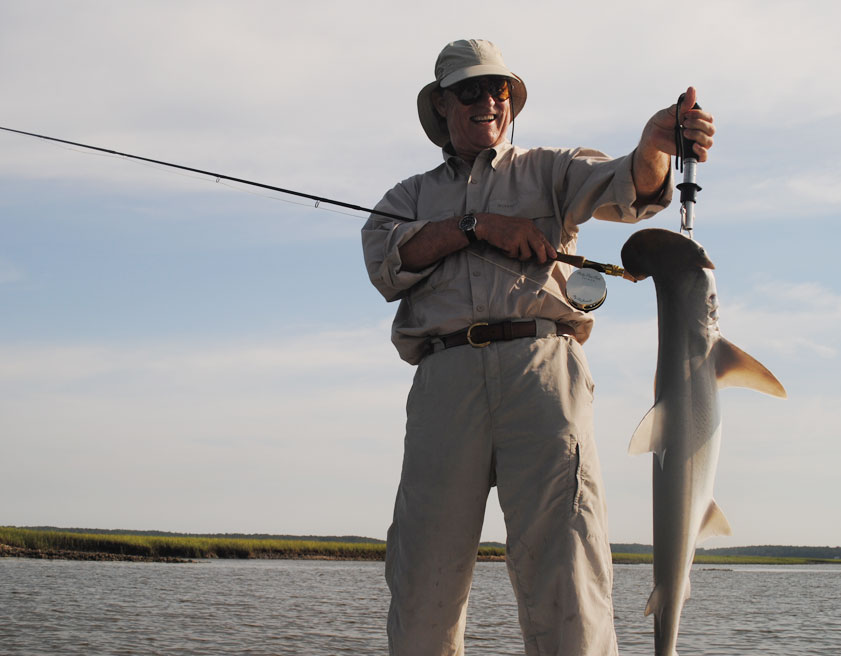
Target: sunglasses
x,y
471,90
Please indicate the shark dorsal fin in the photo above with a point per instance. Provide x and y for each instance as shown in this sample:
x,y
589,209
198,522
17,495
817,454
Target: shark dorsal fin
x,y
735,368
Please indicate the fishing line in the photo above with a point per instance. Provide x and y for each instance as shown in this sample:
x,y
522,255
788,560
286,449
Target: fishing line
x,y
585,287
520,275
218,176
313,206
201,178
205,178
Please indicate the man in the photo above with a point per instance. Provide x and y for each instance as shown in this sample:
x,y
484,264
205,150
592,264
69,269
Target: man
x,y
502,394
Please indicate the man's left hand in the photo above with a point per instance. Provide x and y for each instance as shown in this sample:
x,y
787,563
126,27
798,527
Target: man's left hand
x,y
659,132
657,144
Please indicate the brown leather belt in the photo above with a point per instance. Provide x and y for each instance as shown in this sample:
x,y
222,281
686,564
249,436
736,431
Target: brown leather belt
x,y
481,334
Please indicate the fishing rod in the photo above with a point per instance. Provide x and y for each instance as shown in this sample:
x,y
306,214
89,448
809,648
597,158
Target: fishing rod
x,y
585,288
582,263
591,289
218,176
687,162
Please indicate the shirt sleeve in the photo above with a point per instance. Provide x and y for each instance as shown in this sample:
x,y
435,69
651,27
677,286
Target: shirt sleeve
x,y
598,186
382,238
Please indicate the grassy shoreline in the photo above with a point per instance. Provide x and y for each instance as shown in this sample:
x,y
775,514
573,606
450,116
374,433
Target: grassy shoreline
x,y
32,543
50,544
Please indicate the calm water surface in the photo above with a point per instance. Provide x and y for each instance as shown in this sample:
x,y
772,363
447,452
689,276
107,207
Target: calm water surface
x,y
322,608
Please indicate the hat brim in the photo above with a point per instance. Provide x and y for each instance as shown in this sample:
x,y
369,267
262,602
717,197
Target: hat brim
x,y
434,124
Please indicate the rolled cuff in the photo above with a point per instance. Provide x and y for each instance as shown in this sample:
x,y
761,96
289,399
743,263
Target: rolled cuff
x,y
626,207
652,206
381,244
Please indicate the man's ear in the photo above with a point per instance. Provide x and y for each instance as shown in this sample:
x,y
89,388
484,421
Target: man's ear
x,y
439,103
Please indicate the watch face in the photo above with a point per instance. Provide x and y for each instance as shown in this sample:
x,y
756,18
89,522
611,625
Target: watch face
x,y
468,222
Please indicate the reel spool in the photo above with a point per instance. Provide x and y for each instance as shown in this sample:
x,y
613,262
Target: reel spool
x,y
586,289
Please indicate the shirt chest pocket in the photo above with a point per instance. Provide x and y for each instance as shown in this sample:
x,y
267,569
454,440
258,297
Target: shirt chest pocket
x,y
527,206
537,207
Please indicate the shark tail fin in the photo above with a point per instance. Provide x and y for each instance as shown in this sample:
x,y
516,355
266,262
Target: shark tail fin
x,y
648,437
735,368
714,523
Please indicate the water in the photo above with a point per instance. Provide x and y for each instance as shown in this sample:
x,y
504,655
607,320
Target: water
x,y
323,608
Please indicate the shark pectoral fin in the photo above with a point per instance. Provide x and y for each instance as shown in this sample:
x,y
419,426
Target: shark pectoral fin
x,y
648,437
714,523
735,368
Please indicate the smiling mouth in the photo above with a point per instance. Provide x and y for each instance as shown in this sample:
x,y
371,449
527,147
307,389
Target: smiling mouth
x,y
484,118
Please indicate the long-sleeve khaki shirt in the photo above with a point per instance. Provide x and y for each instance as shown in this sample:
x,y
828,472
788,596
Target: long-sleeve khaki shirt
x,y
559,189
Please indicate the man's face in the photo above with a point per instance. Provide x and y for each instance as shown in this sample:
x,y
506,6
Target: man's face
x,y
479,125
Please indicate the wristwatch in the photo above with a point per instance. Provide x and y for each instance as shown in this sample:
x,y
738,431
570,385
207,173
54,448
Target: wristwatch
x,y
467,224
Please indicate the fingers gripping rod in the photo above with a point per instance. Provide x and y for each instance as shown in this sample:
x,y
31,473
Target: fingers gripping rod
x,y
687,162
583,263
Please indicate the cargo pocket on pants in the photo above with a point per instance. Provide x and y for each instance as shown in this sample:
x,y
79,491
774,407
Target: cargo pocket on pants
x,y
576,463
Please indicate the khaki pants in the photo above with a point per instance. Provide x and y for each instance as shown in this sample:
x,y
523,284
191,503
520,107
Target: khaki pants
x,y
517,414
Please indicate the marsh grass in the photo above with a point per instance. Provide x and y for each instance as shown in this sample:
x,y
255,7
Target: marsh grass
x,y
148,546
189,547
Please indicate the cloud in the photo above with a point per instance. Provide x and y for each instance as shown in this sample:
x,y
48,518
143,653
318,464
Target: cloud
x,y
329,353
812,333
821,188
180,424
812,192
9,273
230,88
320,97
813,294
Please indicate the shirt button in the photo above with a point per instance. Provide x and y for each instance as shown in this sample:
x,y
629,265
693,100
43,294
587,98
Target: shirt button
x,y
477,273
480,308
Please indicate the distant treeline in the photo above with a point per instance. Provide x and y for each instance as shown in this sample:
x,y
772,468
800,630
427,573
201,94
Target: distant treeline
x,y
774,551
764,551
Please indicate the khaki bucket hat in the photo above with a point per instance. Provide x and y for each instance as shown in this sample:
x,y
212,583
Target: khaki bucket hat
x,y
460,60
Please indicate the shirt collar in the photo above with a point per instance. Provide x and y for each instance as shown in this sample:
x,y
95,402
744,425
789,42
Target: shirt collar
x,y
498,152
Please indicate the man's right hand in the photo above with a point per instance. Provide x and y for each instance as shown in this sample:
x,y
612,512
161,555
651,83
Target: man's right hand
x,y
516,237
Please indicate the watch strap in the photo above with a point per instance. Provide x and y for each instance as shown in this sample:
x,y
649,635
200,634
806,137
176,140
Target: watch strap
x,y
468,227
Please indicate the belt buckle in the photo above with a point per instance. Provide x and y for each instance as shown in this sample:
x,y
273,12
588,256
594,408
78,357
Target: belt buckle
x,y
470,337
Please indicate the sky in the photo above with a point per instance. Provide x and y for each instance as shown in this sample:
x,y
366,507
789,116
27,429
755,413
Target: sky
x,y
181,354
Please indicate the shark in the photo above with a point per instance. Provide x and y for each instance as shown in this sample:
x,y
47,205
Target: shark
x,y
683,427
